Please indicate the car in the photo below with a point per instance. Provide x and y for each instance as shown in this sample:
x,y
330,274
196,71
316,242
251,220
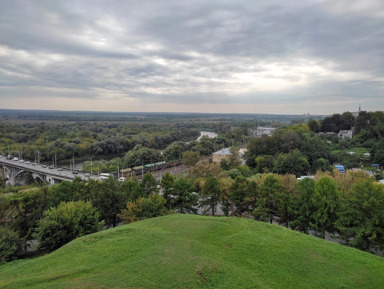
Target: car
x,y
75,172
121,179
27,162
15,159
34,164
51,167
60,169
21,161
87,174
44,166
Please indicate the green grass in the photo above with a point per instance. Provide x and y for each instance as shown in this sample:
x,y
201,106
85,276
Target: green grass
x,y
359,151
188,251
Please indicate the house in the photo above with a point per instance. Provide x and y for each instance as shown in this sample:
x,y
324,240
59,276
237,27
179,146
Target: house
x,y
345,134
221,154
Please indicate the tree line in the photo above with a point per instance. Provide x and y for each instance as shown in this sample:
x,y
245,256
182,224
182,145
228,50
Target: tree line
x,y
349,206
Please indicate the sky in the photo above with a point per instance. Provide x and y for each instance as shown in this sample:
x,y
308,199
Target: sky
x,y
227,56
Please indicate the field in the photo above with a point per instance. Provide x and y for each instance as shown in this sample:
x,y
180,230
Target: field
x,y
189,251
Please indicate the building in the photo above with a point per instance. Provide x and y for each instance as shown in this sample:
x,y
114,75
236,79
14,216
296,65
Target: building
x,y
220,155
347,134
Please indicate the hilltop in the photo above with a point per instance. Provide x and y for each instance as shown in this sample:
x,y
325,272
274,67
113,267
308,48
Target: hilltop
x,y
189,251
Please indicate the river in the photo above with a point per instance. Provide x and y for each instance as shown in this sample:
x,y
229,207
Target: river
x,y
208,134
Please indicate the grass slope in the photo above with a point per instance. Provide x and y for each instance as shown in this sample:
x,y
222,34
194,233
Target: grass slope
x,y
188,251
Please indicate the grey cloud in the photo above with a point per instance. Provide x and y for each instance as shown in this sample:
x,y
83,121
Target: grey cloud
x,y
189,51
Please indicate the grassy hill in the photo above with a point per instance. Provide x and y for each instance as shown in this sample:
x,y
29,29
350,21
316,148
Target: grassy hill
x,y
187,251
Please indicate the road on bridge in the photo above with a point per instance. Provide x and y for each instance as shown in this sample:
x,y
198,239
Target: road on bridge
x,y
57,173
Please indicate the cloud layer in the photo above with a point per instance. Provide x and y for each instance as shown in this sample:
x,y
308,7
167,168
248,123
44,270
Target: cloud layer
x,y
276,56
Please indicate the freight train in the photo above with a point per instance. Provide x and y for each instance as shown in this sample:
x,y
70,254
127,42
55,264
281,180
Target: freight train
x,y
141,170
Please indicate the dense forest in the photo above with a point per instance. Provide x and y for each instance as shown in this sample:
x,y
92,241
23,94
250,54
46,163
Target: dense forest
x,y
263,184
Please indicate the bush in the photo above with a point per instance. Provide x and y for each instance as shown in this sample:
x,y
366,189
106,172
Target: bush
x,y
66,222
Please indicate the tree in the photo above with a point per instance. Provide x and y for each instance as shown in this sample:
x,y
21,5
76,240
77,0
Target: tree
x,y
144,208
292,163
361,217
377,152
204,169
313,125
264,164
285,205
167,184
174,151
109,199
225,188
66,222
315,148
362,122
190,158
326,202
264,145
149,184
211,194
27,208
303,206
269,191
184,198
11,245
238,195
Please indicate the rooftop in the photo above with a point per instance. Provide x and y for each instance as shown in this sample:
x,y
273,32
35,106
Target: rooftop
x,y
225,151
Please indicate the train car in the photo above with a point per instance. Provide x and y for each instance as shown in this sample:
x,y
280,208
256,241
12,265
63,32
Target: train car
x,y
126,172
160,165
149,167
138,170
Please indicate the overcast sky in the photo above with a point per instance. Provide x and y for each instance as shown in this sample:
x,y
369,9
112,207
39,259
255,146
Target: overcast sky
x,y
287,57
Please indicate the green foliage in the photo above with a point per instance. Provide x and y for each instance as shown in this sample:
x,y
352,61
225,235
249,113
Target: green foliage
x,y
65,223
264,164
234,173
190,158
292,163
11,245
211,194
144,208
338,122
238,195
184,199
313,125
303,206
174,151
27,208
377,152
109,199
149,184
326,201
361,219
314,148
269,191
167,184
140,156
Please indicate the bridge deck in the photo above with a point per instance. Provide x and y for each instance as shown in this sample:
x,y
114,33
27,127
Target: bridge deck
x,y
57,173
